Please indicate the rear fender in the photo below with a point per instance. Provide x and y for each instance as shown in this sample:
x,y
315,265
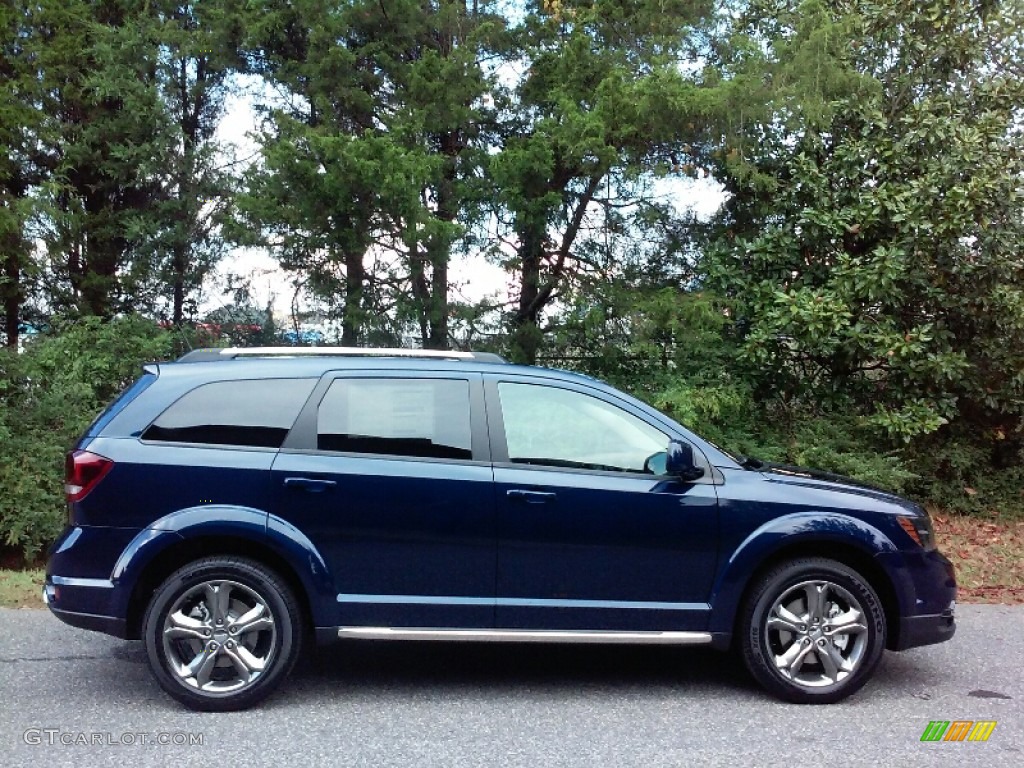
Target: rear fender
x,y
238,524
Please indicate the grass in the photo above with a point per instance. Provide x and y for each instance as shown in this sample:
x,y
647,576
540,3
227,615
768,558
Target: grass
x,y
21,589
988,555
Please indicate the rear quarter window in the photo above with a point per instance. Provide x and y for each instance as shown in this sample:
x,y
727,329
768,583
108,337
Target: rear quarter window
x,y
255,413
121,402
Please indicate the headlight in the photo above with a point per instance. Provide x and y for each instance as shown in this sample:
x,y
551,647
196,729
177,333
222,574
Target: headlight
x,y
920,529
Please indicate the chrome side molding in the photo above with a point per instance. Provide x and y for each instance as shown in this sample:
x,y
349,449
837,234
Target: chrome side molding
x,y
525,635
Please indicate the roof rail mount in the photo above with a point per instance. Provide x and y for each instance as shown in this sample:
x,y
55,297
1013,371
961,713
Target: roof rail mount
x,y
210,354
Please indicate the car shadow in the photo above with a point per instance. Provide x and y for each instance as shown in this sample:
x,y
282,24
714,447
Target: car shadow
x,y
373,669
400,666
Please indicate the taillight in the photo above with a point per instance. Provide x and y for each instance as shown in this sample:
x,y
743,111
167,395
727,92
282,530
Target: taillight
x,y
82,472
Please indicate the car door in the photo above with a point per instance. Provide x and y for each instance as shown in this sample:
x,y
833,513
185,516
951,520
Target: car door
x,y
388,474
587,538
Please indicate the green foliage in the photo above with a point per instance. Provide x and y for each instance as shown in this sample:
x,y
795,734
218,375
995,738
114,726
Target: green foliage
x,y
964,470
379,148
602,109
48,396
869,249
671,349
857,304
111,186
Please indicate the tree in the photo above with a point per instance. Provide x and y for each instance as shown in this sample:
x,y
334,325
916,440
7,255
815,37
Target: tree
x,y
198,53
603,104
111,110
367,154
19,166
104,147
449,119
872,249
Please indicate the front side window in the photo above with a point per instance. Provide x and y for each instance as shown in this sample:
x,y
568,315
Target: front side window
x,y
397,417
561,428
256,412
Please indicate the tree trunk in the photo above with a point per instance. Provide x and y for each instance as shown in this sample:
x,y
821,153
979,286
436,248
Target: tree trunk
x,y
12,293
355,281
438,254
421,292
101,245
526,335
439,302
99,283
179,261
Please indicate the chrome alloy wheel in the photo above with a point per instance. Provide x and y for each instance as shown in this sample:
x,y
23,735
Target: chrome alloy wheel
x,y
816,634
219,637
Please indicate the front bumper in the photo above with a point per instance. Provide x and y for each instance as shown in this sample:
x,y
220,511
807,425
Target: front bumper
x,y
925,586
926,630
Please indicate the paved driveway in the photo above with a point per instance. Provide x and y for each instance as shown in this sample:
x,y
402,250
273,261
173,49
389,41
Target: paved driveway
x,y
481,705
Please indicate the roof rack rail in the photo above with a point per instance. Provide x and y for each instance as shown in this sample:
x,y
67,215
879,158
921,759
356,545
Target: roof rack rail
x,y
232,353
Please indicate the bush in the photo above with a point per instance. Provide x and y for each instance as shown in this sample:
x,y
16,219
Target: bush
x,y
50,393
836,441
971,472
676,352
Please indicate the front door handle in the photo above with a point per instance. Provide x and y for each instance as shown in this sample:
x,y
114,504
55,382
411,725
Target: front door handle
x,y
308,484
530,497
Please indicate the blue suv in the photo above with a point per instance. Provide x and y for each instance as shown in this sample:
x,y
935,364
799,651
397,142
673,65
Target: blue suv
x,y
235,505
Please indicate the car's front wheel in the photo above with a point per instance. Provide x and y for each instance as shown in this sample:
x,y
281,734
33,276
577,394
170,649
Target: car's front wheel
x,y
221,633
812,631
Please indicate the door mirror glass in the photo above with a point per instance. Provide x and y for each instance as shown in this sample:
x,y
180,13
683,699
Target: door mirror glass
x,y
657,463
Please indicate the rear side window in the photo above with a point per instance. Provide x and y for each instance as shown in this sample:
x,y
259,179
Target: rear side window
x,y
397,417
250,413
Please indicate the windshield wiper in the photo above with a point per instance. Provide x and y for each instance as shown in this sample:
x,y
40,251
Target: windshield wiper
x,y
749,462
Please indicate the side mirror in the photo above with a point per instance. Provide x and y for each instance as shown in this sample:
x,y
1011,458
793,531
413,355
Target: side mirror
x,y
679,462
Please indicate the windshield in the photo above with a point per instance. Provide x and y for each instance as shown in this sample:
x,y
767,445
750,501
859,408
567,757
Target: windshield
x,y
739,458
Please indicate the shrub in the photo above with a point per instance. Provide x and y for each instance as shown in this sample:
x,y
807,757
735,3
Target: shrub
x,y
50,393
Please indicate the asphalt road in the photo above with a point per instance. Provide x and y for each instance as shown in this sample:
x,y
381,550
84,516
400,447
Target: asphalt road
x,y
419,704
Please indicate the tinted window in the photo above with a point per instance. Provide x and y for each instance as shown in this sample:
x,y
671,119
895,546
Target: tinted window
x,y
399,417
561,428
258,413
120,403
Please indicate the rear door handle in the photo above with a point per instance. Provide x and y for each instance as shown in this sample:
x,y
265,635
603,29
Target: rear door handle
x,y
530,497
308,484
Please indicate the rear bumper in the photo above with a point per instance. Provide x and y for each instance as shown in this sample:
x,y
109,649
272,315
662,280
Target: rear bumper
x,y
55,595
106,624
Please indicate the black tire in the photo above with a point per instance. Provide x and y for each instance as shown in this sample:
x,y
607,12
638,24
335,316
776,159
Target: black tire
x,y
844,657
181,623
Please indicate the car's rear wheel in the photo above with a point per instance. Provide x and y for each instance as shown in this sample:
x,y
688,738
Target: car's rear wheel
x,y
222,633
812,631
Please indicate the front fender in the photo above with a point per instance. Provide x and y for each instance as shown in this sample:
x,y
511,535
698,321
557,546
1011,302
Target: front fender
x,y
770,538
